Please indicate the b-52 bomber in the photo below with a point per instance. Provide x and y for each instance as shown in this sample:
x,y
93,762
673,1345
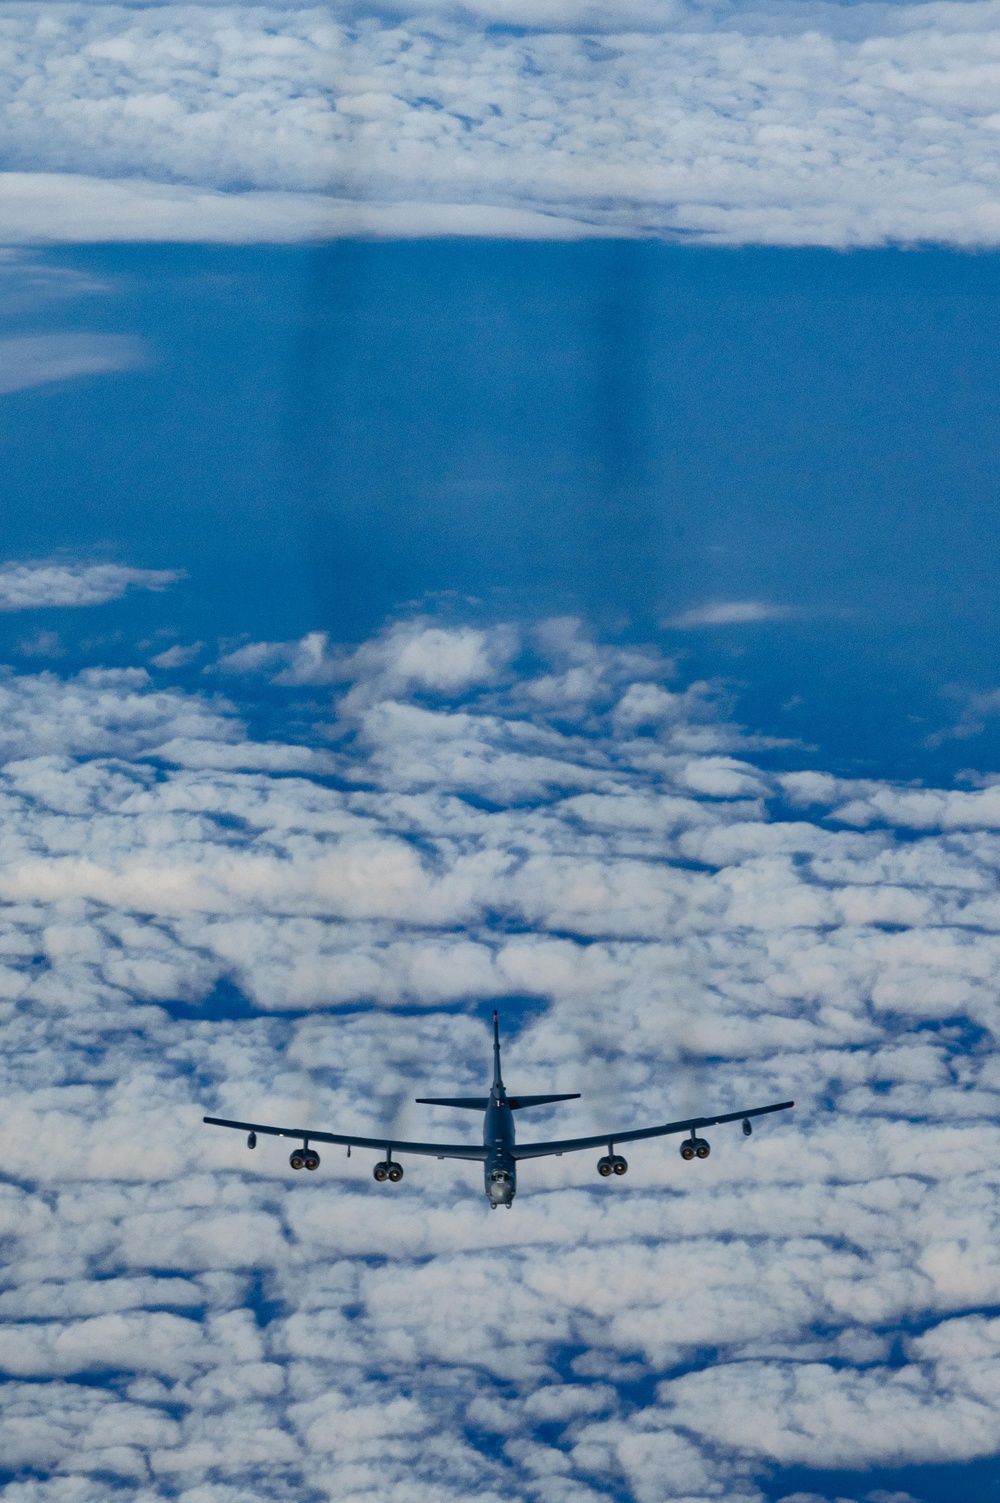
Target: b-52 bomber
x,y
500,1153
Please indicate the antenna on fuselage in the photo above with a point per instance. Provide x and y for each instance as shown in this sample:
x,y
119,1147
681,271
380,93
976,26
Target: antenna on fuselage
x,y
497,1079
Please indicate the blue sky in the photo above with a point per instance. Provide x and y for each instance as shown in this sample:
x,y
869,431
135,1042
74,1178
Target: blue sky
x,y
320,437
499,511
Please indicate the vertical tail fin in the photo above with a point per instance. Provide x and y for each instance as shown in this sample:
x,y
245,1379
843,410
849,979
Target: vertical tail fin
x,y
497,1080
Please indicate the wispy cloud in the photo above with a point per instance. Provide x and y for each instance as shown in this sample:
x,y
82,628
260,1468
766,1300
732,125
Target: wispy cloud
x,y
178,656
978,707
729,613
28,282
36,359
44,644
33,586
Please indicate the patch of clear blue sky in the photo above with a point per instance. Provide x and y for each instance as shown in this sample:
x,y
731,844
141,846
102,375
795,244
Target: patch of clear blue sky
x,y
628,430
949,1482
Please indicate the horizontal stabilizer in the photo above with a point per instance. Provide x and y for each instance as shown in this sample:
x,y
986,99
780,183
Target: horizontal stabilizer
x,y
473,1103
517,1101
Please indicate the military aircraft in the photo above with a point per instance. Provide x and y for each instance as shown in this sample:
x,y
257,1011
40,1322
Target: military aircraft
x,y
499,1154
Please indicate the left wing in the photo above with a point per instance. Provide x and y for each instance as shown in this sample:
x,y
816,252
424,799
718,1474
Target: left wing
x,y
351,1140
598,1140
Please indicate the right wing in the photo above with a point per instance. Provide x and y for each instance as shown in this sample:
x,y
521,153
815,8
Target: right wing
x,y
351,1140
600,1139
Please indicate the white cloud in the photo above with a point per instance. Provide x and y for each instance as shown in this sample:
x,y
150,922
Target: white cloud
x,y
866,801
36,359
561,829
47,583
729,613
976,711
110,711
28,282
415,656
816,124
265,755
40,207
44,644
177,656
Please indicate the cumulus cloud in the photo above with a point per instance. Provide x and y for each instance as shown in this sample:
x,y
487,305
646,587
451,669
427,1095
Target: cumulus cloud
x,y
861,801
47,583
111,711
192,920
401,659
812,124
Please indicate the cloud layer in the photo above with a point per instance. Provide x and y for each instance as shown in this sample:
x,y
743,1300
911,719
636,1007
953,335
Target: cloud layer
x,y
192,920
815,124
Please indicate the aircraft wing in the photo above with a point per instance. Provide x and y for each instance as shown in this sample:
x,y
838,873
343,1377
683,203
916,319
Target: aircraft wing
x,y
352,1140
603,1139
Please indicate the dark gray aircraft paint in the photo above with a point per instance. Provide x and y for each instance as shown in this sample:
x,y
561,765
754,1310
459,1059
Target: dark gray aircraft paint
x,y
500,1152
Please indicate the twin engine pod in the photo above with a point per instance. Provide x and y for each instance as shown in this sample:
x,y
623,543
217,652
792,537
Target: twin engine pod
x,y
387,1169
304,1158
695,1148
612,1163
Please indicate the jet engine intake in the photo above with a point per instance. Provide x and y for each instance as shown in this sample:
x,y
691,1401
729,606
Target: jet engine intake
x,y
312,1159
297,1158
381,1171
693,1147
619,1165
395,1173
604,1166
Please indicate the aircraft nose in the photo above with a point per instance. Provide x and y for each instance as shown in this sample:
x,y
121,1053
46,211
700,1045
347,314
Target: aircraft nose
x,y
500,1189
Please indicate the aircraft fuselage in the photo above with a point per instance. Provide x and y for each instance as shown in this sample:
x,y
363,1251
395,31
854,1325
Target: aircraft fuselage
x,y
500,1169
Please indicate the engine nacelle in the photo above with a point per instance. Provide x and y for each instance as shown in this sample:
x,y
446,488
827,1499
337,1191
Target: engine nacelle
x,y
395,1173
312,1159
252,1140
604,1166
747,1129
298,1158
381,1172
619,1165
694,1148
